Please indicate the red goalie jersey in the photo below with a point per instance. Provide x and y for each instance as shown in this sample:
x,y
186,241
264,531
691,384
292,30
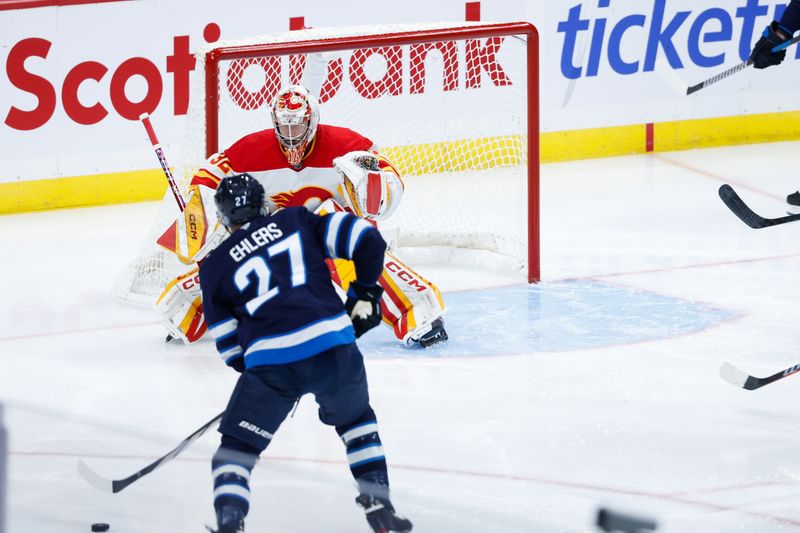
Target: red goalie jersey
x,y
312,183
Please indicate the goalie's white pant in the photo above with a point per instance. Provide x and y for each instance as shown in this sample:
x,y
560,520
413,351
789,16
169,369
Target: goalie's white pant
x,y
410,303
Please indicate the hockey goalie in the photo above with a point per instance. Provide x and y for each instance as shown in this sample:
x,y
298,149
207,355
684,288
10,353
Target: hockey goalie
x,y
324,168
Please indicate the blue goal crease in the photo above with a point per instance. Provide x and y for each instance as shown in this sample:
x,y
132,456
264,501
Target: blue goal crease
x,y
553,317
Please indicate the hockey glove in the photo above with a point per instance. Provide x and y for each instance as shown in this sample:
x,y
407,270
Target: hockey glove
x,y
363,306
762,54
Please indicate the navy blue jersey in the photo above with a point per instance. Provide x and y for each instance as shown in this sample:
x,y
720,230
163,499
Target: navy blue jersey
x,y
267,291
791,17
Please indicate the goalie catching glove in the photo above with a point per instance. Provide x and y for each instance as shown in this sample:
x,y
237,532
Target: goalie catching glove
x,y
372,187
363,305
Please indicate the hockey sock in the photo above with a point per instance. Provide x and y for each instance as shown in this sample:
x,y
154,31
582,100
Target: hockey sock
x,y
231,467
365,454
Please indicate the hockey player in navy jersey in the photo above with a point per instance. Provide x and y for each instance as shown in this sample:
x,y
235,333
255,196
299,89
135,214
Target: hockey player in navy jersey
x,y
277,319
778,32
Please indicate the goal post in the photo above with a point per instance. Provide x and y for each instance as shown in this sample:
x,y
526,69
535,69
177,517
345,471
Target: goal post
x,y
454,107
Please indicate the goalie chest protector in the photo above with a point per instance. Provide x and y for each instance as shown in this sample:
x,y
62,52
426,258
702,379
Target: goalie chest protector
x,y
259,154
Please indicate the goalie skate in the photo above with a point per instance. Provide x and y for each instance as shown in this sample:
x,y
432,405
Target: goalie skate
x,y
436,335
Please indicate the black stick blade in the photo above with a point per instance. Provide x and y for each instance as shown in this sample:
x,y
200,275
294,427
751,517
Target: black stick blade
x,y
739,208
747,215
694,88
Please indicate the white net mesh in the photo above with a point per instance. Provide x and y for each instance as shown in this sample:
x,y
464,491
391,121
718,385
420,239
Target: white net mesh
x,y
450,114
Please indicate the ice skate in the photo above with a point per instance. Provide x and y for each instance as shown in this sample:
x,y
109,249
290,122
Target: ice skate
x,y
436,335
381,516
229,520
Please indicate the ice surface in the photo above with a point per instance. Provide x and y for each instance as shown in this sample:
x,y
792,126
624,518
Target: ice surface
x,y
599,386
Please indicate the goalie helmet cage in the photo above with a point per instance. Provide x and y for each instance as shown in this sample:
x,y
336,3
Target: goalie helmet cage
x,y
455,108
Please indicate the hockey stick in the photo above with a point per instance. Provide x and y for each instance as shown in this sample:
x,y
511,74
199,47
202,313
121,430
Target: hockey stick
x,y
176,192
173,185
736,377
747,215
737,68
116,485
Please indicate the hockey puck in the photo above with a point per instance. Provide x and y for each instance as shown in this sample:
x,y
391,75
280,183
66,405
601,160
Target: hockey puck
x,y
100,527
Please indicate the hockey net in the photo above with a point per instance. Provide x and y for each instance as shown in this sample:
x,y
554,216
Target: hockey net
x,y
453,106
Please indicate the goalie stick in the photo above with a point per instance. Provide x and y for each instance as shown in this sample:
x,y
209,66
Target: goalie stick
x,y
173,185
747,215
162,159
733,375
733,70
116,485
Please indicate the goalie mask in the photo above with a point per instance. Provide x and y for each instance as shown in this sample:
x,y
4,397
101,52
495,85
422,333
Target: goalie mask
x,y
295,115
239,199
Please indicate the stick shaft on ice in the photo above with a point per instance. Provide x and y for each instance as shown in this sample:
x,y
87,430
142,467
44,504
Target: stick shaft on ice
x,y
116,485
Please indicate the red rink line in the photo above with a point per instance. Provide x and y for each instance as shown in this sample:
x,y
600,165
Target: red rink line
x,y
684,267
77,331
634,272
680,498
729,488
717,177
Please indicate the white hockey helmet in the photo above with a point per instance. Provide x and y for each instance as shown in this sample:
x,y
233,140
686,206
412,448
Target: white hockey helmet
x,y
295,115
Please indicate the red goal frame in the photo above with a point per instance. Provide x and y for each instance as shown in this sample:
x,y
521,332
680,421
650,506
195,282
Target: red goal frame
x,y
214,56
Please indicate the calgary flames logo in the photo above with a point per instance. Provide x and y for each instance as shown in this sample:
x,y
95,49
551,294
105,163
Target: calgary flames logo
x,y
291,102
301,197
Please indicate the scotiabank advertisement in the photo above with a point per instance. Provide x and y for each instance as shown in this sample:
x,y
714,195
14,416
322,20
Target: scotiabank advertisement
x,y
77,77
